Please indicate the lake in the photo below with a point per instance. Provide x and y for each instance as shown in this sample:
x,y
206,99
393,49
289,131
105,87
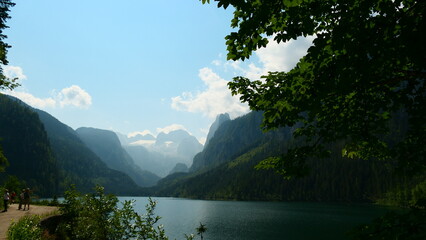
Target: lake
x,y
226,220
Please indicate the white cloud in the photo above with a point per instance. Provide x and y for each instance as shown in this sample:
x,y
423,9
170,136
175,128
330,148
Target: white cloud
x,y
284,56
274,57
216,99
143,133
13,72
146,143
74,96
36,102
216,62
171,128
254,72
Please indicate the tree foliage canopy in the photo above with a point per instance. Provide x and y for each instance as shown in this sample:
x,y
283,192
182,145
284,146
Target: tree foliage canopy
x,y
100,216
5,82
362,81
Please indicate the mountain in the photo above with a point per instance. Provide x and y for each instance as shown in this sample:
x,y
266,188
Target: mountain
x,y
162,154
124,140
179,168
178,143
231,139
27,147
221,118
225,169
49,156
107,146
155,162
188,147
81,166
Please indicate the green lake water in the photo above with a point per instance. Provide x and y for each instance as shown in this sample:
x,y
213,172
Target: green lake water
x,y
226,220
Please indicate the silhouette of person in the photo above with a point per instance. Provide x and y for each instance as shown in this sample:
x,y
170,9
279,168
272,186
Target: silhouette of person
x,y
27,198
21,199
6,199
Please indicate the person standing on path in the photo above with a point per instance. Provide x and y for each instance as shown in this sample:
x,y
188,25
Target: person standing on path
x,y
27,198
21,199
5,200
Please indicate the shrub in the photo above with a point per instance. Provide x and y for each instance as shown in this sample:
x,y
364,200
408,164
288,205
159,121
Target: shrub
x,y
97,216
27,228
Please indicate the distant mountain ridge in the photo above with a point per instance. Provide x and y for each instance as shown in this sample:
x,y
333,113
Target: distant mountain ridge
x,y
179,168
163,153
108,147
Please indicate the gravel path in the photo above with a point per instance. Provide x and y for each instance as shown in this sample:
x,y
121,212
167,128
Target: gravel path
x,y
13,214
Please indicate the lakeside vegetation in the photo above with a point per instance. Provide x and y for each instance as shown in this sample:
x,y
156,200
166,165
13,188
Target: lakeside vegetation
x,y
95,216
398,222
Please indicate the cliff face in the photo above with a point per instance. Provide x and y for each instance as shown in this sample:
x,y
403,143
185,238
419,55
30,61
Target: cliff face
x,y
230,139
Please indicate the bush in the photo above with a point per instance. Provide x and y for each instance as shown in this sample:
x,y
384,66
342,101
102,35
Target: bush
x,y
97,216
410,225
27,228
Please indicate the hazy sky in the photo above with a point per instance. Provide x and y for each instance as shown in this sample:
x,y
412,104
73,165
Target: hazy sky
x,y
132,65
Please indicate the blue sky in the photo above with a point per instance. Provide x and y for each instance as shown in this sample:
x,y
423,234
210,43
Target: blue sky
x,y
132,65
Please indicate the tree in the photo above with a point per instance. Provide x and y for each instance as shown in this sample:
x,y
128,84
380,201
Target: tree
x,y
100,216
13,184
362,82
5,82
3,161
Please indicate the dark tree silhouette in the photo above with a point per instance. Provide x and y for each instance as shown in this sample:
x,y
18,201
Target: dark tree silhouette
x,y
365,68
5,82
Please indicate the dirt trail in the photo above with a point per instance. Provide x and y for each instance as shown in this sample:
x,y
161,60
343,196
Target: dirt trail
x,y
13,214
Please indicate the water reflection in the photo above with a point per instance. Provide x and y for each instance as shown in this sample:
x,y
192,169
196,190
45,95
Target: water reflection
x,y
259,220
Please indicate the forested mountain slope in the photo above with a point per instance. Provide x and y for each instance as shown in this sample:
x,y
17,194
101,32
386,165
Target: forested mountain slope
x,y
81,166
231,139
49,156
27,148
228,170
